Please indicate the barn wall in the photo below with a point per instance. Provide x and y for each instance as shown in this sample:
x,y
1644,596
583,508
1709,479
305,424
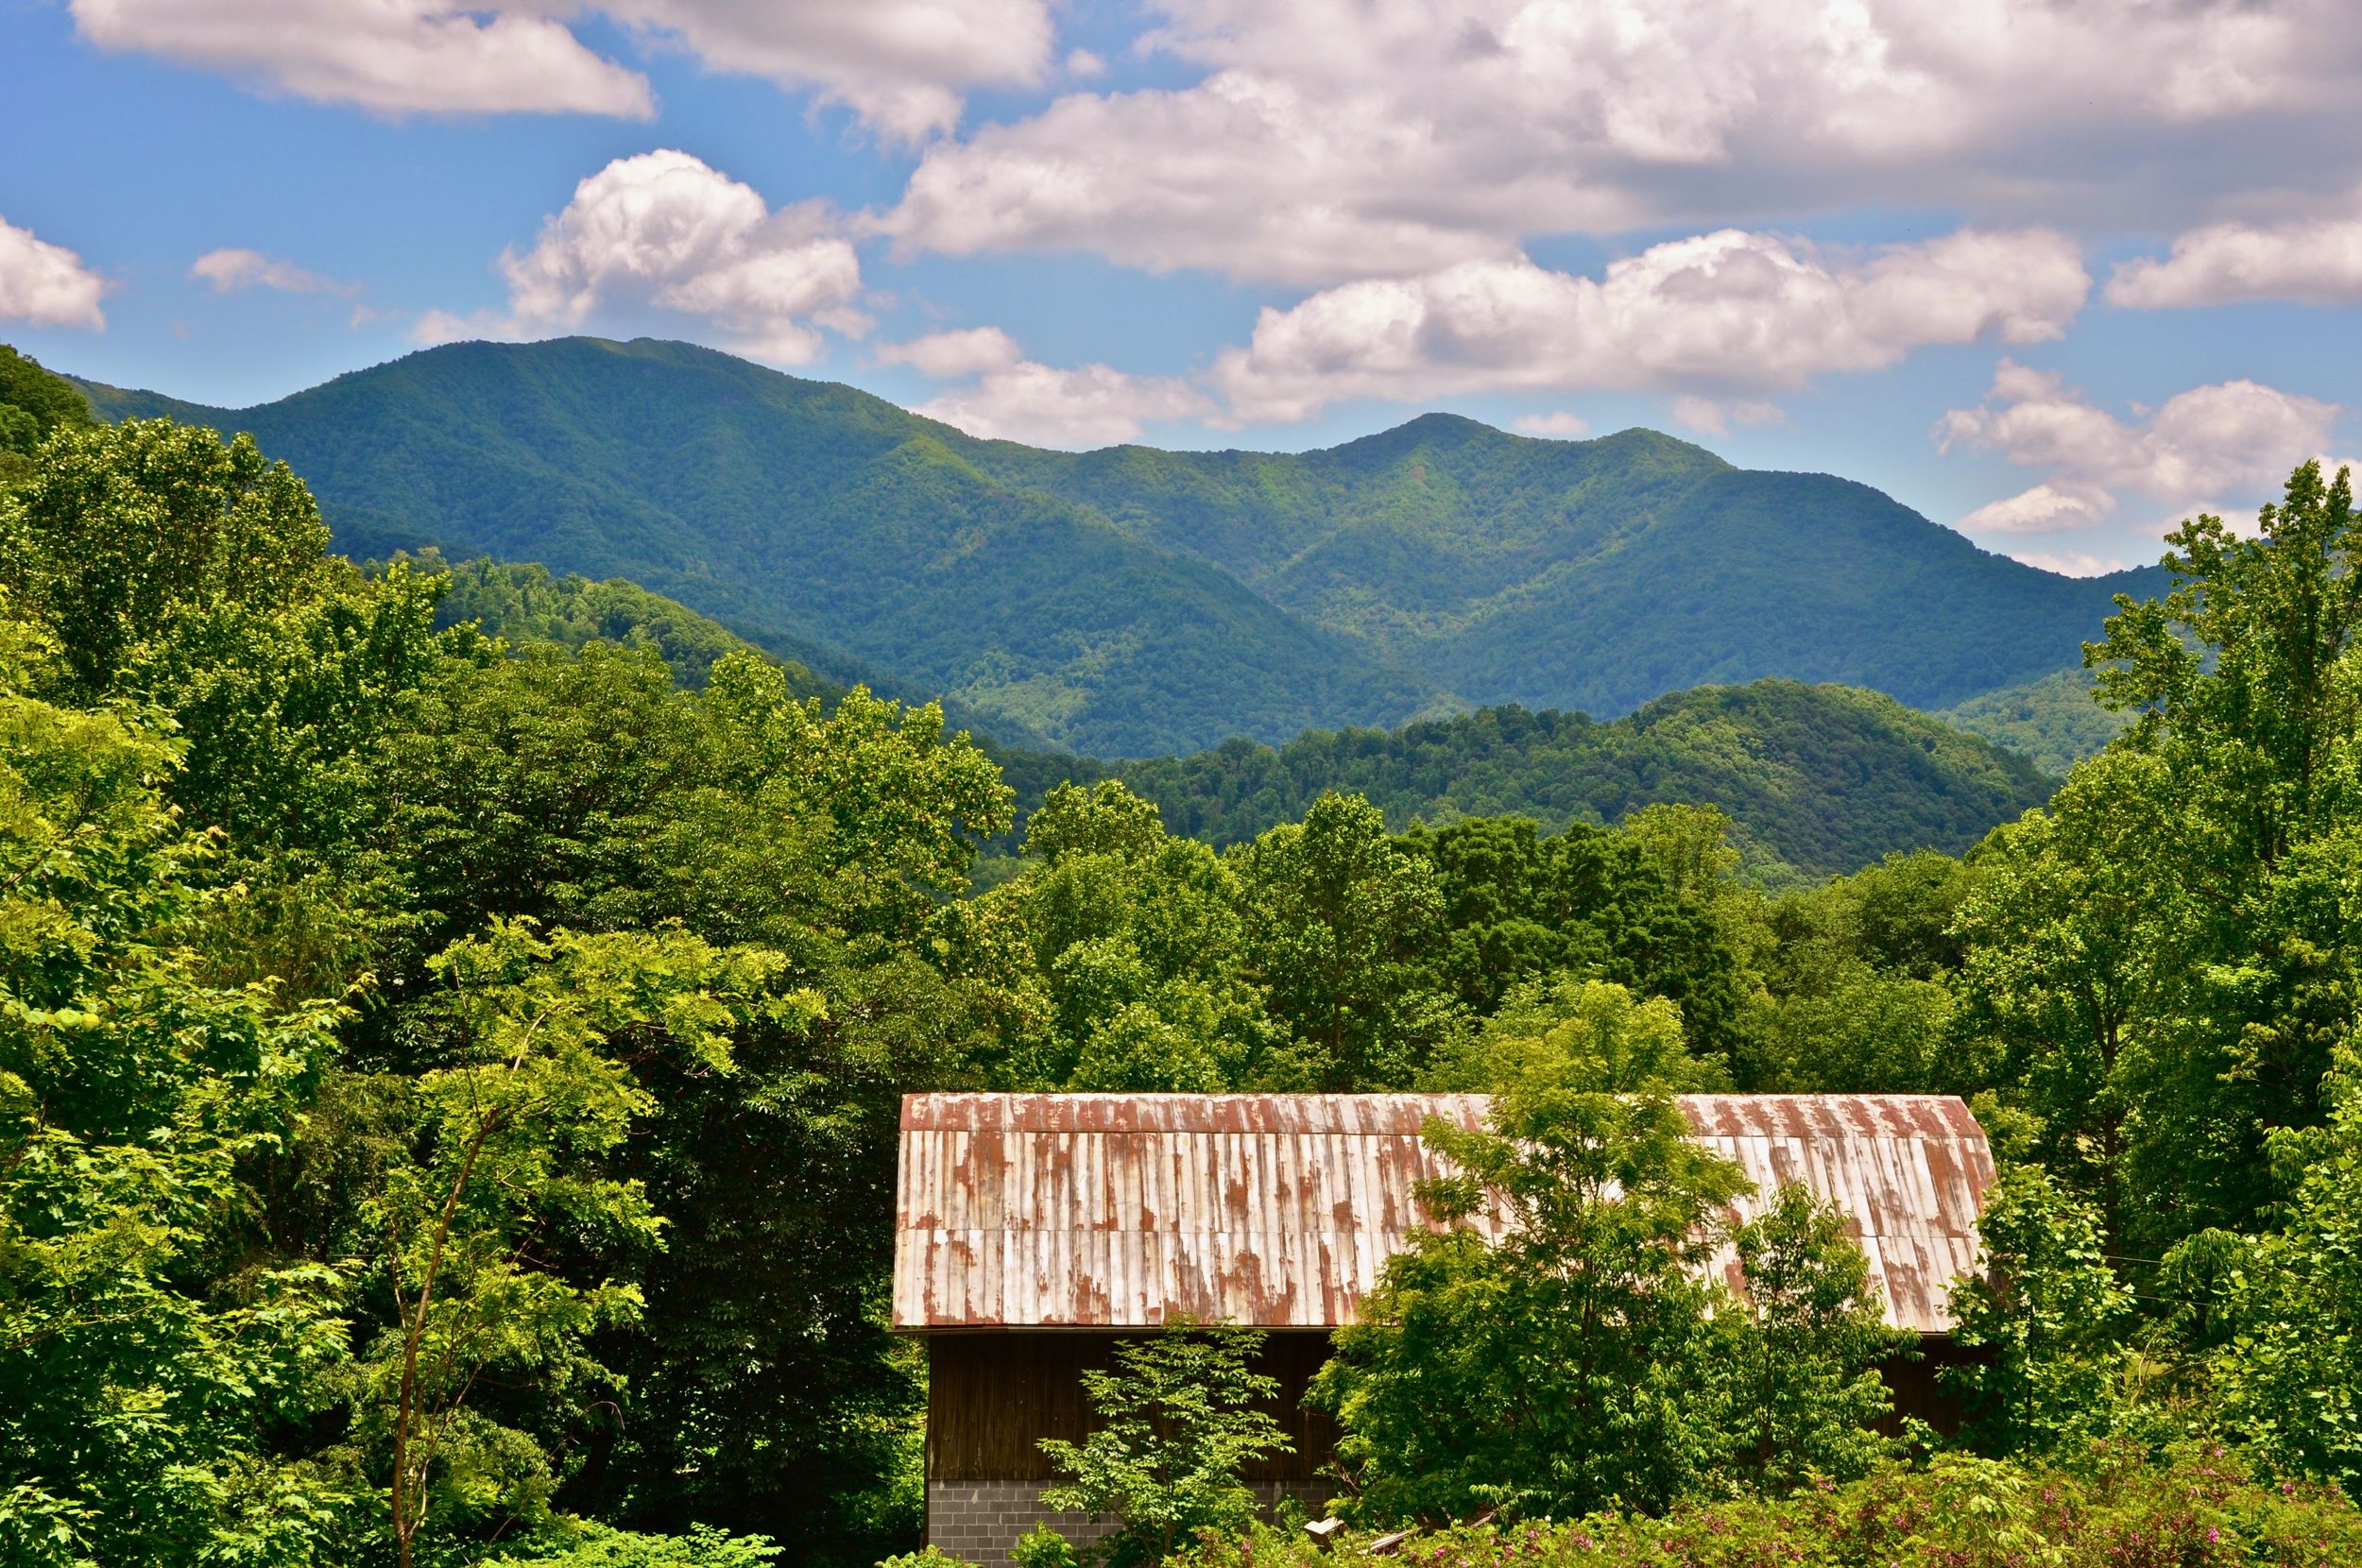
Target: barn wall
x,y
992,1397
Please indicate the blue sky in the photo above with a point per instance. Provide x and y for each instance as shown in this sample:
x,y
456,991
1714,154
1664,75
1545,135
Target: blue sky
x,y
2054,275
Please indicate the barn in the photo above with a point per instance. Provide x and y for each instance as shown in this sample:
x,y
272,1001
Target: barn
x,y
1033,1232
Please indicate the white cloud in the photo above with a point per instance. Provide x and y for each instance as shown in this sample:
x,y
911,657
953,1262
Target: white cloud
x,y
236,268
2317,261
1728,311
46,284
666,231
947,356
433,57
2073,563
1329,140
1016,399
2209,449
1558,425
2044,509
1711,418
1089,405
901,65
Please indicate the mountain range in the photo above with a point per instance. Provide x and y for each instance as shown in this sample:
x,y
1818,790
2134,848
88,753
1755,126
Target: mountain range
x,y
1132,602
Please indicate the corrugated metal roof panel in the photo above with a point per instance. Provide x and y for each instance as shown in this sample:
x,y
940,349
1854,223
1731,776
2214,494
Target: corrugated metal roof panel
x,y
1277,1211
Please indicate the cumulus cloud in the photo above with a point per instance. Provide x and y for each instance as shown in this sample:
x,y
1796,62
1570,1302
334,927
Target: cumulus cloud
x,y
2203,450
2317,261
901,65
1726,311
2074,563
1015,399
431,57
665,229
1327,140
945,356
234,268
46,284
1708,417
1558,425
1088,405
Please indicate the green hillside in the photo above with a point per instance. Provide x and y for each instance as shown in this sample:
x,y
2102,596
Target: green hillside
x,y
815,512
2050,721
1819,780
1822,779
1131,602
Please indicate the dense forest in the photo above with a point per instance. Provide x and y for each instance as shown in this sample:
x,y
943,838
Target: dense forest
x,y
448,1084
1131,603
1816,780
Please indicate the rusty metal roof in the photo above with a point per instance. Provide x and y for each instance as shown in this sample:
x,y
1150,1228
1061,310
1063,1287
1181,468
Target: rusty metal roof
x,y
1278,1211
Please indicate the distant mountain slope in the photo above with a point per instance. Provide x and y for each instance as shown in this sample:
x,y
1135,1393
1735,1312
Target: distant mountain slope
x,y
2050,721
1130,600
1594,574
815,511
1825,778
1819,779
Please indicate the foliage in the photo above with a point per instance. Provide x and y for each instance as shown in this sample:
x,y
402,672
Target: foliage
x,y
1573,1362
33,405
1805,1391
1133,602
1177,1418
528,1093
1820,779
524,603
2110,1507
1519,904
2288,1373
146,1367
1336,922
1587,1034
123,531
581,1545
2044,1316
2050,721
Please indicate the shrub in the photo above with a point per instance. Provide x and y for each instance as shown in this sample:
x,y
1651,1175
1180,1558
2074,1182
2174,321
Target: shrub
x,y
2110,1507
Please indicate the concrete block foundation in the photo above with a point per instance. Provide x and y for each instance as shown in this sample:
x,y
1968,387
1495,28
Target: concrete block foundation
x,y
978,1520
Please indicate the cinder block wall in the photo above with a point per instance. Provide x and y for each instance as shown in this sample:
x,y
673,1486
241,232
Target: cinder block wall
x,y
978,1520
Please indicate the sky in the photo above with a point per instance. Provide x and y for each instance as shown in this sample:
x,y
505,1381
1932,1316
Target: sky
x,y
2056,274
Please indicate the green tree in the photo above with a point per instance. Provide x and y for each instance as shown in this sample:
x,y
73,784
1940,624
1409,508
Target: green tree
x,y
509,1173
149,1366
125,529
1103,819
1337,924
33,405
1519,904
2044,1316
1805,1388
2289,1370
1593,1033
1177,1420
1571,1362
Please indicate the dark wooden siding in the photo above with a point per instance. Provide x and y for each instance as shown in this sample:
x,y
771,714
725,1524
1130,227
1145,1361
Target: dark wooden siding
x,y
992,1397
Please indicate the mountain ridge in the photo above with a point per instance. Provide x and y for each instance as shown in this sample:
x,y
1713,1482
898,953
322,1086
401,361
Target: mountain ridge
x,y
1134,601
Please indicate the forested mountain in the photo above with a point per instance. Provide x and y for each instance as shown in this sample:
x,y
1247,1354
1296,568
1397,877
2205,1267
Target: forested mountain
x,y
2051,721
1818,781
1130,602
